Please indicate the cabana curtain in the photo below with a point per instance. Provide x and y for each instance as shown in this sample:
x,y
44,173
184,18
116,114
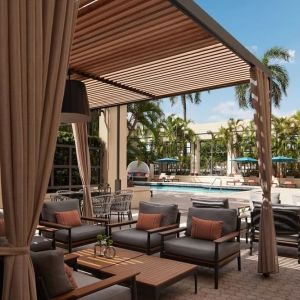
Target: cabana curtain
x,y
84,165
267,255
35,44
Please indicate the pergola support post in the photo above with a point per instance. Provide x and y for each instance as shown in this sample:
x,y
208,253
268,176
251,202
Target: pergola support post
x,y
267,250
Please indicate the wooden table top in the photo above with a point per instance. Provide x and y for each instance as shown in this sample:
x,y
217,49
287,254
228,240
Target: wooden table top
x,y
87,259
154,271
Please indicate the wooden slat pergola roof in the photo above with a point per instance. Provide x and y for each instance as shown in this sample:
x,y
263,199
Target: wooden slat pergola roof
x,y
134,50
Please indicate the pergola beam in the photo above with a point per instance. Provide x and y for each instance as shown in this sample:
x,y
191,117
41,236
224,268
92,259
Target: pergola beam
x,y
204,20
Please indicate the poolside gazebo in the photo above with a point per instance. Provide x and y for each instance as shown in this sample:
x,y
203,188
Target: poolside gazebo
x,y
124,51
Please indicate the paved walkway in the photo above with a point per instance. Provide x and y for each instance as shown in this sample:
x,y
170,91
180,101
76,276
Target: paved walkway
x,y
247,284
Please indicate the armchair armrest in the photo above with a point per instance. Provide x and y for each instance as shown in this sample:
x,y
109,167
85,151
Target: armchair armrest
x,y
54,225
100,220
163,228
172,231
97,286
227,237
112,225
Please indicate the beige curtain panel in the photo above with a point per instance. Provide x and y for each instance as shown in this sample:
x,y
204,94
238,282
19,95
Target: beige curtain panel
x,y
84,165
35,44
267,250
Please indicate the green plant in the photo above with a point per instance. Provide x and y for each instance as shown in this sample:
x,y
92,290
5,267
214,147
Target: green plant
x,y
104,239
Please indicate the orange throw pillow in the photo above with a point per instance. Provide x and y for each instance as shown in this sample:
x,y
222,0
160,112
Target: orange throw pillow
x,y
71,279
148,221
206,229
2,227
68,218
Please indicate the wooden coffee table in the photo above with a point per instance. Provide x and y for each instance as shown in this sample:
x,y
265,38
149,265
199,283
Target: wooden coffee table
x,y
155,273
88,261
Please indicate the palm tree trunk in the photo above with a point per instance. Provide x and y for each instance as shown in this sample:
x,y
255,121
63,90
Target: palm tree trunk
x,y
183,101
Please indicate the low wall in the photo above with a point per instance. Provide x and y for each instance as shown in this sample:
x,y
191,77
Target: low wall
x,y
140,193
225,179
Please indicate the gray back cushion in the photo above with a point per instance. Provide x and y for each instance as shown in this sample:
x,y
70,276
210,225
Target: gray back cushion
x,y
256,196
49,266
228,216
50,208
169,211
210,202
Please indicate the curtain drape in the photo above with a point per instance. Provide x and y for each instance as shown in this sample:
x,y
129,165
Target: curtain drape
x,y
36,39
267,250
84,165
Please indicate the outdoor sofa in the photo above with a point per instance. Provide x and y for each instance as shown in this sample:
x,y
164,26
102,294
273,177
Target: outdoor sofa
x,y
147,241
56,281
210,253
287,225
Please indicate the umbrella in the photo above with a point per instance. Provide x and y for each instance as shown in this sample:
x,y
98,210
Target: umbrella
x,y
245,160
167,160
282,159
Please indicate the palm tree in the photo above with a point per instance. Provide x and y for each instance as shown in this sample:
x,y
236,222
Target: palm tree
x,y
192,98
280,78
144,115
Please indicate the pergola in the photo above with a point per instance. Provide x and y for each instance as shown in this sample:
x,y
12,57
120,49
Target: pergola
x,y
124,51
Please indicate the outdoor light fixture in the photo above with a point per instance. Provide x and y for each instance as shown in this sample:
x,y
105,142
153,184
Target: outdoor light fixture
x,y
75,106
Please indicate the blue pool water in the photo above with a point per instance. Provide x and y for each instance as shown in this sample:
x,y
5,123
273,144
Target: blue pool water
x,y
191,188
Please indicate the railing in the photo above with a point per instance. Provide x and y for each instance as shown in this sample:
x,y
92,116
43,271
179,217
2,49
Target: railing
x,y
212,184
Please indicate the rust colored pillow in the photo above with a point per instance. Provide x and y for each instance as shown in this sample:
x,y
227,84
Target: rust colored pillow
x,y
206,229
69,274
2,227
148,221
68,218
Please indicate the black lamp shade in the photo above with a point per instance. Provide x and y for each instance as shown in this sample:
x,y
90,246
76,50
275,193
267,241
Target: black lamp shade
x,y
75,106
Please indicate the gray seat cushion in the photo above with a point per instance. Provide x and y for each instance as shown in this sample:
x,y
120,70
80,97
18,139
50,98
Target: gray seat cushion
x,y
136,238
169,211
79,233
51,208
210,202
228,216
40,243
199,249
114,292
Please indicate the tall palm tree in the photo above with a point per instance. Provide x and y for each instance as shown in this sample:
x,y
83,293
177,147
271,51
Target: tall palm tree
x,y
192,98
280,78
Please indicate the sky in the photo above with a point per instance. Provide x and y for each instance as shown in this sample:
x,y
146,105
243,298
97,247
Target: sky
x,y
258,25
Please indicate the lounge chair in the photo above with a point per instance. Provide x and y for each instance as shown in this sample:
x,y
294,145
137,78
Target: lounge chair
x,y
163,177
211,253
147,241
173,177
288,182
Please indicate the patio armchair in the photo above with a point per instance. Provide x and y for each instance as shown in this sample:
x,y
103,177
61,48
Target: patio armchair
x,y
211,253
102,205
147,241
121,205
57,278
71,236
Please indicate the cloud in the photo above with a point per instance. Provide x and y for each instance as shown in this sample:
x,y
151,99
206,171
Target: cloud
x,y
229,109
292,54
253,48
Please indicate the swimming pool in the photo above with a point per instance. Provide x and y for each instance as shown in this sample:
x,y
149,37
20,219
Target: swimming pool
x,y
190,187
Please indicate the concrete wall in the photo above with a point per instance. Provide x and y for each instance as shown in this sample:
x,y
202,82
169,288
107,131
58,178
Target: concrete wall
x,y
108,134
